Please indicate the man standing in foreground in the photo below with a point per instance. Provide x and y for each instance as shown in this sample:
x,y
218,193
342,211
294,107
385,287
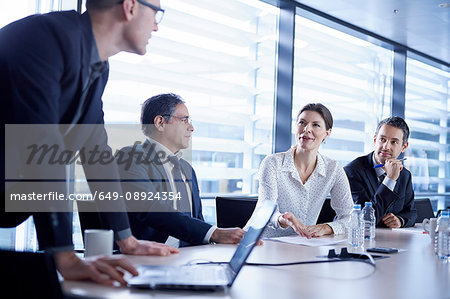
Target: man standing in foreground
x,y
381,178
54,70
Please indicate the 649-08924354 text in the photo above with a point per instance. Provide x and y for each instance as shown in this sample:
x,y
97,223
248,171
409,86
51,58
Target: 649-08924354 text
x,y
103,196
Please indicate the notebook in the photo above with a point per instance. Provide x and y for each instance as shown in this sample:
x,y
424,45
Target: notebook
x,y
206,276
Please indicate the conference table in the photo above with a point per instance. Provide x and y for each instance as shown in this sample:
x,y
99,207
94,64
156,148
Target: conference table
x,y
413,272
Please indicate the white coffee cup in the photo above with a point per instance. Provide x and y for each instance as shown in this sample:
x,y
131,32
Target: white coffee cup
x,y
98,242
432,223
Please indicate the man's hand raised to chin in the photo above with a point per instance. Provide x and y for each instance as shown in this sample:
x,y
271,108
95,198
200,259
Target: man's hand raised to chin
x,y
392,167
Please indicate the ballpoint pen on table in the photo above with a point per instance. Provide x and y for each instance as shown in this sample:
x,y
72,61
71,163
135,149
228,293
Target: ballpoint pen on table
x,y
381,165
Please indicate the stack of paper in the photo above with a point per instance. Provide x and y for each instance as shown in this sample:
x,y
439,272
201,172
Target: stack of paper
x,y
298,240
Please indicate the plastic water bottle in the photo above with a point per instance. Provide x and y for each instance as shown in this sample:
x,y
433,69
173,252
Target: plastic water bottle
x,y
356,227
369,221
442,236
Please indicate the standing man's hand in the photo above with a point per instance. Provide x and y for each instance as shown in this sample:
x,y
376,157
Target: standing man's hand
x,y
228,235
103,269
392,167
391,221
133,246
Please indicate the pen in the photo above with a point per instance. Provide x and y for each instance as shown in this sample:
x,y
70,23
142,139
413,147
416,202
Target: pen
x,y
381,165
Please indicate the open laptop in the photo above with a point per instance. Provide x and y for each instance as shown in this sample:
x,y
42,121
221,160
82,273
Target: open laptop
x,y
206,276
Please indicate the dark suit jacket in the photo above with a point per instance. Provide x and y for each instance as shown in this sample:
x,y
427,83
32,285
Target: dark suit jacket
x,y
44,62
158,219
365,187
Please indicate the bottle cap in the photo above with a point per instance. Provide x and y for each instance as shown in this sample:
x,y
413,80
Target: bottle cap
x,y
356,207
368,204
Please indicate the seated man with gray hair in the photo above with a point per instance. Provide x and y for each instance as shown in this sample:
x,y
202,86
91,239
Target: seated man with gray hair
x,y
173,214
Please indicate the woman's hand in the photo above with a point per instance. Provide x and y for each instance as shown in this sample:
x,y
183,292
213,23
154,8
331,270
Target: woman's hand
x,y
308,231
319,230
289,220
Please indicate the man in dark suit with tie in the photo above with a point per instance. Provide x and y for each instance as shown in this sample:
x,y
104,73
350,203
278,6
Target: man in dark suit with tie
x,y
168,202
54,68
381,178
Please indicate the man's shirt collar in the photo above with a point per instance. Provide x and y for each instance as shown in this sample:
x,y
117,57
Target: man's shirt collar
x,y
163,148
379,171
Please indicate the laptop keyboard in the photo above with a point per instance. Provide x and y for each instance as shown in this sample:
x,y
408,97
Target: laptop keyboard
x,y
204,274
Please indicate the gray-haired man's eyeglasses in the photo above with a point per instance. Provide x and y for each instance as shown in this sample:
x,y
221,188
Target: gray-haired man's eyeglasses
x,y
187,120
159,12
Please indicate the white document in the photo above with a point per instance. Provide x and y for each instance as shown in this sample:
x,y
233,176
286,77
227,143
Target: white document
x,y
411,230
298,240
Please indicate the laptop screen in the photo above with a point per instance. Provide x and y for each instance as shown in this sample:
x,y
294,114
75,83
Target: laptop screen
x,y
258,222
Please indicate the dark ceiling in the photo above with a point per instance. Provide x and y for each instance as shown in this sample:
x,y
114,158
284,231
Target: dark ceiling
x,y
421,25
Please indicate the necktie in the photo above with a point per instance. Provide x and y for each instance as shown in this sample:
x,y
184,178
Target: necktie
x,y
95,71
381,178
183,204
